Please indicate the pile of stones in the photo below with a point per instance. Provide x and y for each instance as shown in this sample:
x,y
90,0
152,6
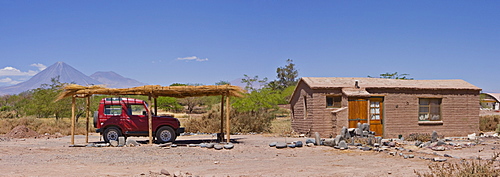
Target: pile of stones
x,y
216,146
361,133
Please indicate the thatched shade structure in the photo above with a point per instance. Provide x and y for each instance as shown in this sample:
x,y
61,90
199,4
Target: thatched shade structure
x,y
152,91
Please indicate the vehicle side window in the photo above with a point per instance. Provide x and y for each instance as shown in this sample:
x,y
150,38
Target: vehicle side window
x,y
136,109
114,110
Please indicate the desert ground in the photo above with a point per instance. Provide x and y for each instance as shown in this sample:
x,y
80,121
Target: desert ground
x,y
251,156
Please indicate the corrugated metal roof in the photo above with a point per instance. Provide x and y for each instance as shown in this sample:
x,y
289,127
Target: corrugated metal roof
x,y
494,95
345,82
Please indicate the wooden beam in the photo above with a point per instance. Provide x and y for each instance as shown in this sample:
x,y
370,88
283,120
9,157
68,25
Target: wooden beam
x,y
73,119
221,120
88,117
228,122
150,120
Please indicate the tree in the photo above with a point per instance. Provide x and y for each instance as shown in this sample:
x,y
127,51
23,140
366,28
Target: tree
x,y
250,81
286,76
394,75
223,83
190,102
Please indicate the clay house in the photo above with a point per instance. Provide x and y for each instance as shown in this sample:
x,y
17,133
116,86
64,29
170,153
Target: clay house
x,y
490,101
392,107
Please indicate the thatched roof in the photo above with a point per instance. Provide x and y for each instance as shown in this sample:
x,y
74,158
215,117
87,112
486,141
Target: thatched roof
x,y
153,90
346,82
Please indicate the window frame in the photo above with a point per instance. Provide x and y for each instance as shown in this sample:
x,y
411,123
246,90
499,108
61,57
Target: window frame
x,y
334,104
430,108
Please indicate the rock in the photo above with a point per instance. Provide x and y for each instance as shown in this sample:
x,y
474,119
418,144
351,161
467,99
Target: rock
x,y
310,144
392,153
132,143
405,156
280,145
173,145
229,146
418,143
411,156
273,144
291,145
203,145
357,144
434,137
392,144
366,127
358,131
164,172
191,145
366,148
342,145
210,145
317,138
437,159
446,155
440,143
376,145
218,147
299,144
472,136
365,133
343,132
90,145
113,143
338,138
310,140
439,148
121,141
330,142
165,145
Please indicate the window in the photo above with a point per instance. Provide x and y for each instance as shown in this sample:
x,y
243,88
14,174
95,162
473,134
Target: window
x,y
374,110
333,101
136,109
113,110
429,109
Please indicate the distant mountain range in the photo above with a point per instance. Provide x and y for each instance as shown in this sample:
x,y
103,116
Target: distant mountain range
x,y
68,74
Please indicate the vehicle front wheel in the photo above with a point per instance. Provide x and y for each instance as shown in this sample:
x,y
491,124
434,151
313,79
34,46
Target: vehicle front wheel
x,y
165,134
111,134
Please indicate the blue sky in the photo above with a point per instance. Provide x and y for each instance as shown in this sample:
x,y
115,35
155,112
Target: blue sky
x,y
165,42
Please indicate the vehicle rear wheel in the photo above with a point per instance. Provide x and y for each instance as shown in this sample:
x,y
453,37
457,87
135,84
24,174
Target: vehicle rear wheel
x,y
165,134
111,133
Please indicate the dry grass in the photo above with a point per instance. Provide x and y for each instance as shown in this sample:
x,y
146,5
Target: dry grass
x,y
44,125
282,126
466,168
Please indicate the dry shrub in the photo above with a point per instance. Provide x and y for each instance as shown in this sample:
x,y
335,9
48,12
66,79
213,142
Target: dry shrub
x,y
43,125
466,168
489,122
8,114
423,137
241,122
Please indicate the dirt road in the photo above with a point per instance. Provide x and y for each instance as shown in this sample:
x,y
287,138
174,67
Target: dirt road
x,y
251,156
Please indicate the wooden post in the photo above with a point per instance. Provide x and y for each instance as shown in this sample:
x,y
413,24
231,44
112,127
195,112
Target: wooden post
x,y
73,119
228,122
221,137
150,120
88,117
156,107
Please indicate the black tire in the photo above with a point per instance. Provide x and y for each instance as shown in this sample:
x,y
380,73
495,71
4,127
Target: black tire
x,y
111,133
165,134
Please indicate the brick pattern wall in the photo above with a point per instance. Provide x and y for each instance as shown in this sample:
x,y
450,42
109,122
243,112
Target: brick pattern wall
x,y
459,112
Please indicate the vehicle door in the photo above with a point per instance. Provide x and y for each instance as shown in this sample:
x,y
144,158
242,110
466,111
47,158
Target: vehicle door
x,y
137,118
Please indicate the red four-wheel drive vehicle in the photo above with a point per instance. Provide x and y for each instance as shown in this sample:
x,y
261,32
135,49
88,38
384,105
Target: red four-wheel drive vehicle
x,y
129,117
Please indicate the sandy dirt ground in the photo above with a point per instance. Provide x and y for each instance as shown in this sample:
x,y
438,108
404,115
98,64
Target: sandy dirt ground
x,y
251,156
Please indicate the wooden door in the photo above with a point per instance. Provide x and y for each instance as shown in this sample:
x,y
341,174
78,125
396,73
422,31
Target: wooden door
x,y
358,111
377,116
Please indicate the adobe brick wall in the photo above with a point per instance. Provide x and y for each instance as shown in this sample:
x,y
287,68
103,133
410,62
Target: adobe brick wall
x,y
459,112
